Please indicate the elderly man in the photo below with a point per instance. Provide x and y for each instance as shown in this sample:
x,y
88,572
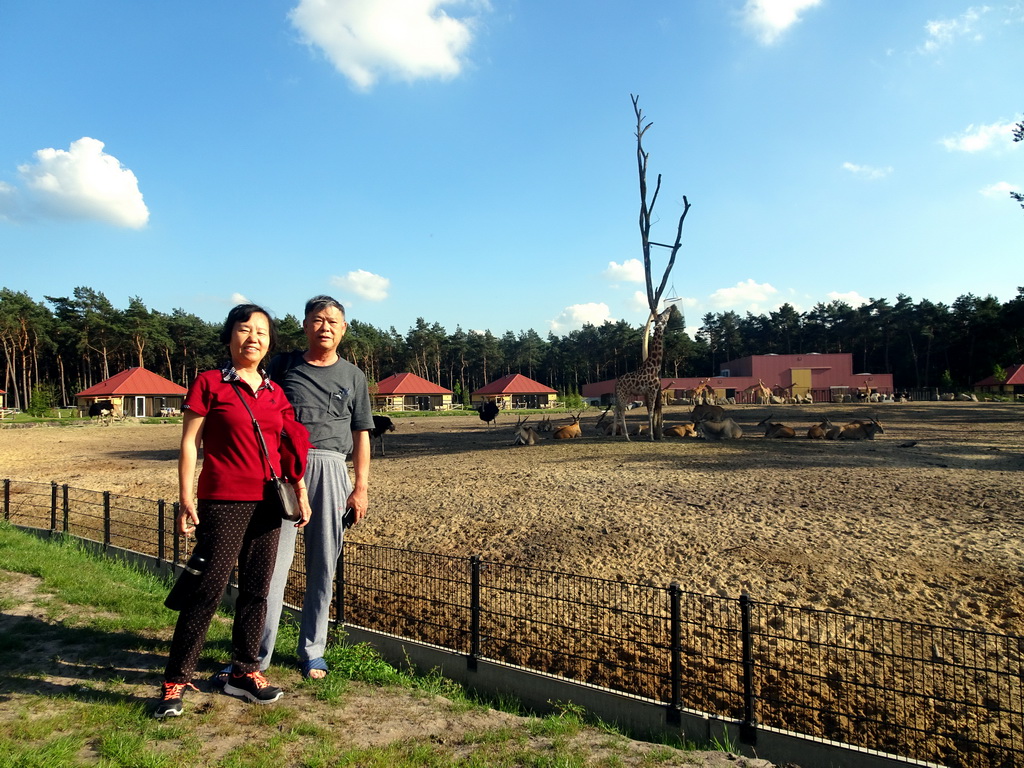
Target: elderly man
x,y
332,401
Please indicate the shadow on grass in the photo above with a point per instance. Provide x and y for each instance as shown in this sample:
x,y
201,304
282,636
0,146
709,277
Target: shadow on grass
x,y
84,663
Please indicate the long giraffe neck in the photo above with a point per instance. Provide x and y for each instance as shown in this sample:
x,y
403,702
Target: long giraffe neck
x,y
653,361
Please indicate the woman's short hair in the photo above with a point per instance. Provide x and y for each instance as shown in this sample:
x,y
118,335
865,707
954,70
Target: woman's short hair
x,y
320,303
240,314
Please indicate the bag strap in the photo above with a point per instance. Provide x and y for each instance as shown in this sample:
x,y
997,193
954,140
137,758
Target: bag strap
x,y
259,432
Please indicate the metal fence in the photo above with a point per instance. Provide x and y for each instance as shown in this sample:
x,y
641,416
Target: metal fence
x,y
924,692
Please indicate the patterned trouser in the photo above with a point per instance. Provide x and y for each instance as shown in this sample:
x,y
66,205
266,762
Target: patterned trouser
x,y
243,532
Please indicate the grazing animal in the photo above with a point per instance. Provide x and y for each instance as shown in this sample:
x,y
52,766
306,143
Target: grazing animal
x,y
645,380
488,412
686,429
381,424
103,410
544,425
703,412
524,435
860,430
725,429
569,430
819,431
775,430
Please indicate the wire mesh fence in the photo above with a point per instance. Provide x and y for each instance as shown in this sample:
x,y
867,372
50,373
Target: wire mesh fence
x,y
941,694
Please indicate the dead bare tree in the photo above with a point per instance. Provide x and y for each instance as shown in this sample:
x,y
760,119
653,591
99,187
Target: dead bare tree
x,y
646,220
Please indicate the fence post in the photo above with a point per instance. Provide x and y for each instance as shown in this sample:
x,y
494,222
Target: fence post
x,y
676,650
106,519
7,498
160,530
53,506
174,538
66,505
339,586
474,611
748,728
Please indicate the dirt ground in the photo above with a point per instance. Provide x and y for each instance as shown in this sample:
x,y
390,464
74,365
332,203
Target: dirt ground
x,y
923,523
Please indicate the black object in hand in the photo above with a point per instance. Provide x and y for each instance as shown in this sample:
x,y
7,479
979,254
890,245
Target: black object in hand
x,y
349,518
187,583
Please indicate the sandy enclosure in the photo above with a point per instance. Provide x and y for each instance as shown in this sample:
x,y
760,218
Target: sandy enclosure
x,y
932,531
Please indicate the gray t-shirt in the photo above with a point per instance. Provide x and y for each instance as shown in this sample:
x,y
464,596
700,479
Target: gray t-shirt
x,y
330,401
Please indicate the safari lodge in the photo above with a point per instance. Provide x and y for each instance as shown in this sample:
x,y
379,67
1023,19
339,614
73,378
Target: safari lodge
x,y
134,392
409,392
515,391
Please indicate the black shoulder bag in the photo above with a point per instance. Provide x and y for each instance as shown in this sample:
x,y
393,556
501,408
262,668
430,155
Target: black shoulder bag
x,y
276,488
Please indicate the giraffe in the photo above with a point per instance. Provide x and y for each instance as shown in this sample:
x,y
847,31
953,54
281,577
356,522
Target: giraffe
x,y
703,394
763,393
644,381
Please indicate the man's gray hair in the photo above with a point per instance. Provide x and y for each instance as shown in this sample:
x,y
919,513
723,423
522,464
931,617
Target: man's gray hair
x,y
320,303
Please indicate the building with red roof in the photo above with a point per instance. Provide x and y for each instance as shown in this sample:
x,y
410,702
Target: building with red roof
x,y
1013,386
515,391
409,392
135,392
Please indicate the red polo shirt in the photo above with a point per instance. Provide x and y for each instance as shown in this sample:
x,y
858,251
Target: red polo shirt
x,y
234,468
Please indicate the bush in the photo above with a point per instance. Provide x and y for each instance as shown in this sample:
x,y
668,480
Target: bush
x,y
43,398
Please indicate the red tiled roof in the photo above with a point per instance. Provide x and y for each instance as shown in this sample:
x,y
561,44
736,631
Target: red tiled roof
x,y
409,384
1014,375
134,381
514,384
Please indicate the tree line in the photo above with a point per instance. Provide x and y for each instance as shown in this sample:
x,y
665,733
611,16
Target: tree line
x,y
53,348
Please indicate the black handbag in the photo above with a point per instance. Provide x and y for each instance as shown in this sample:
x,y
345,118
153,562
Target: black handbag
x,y
276,489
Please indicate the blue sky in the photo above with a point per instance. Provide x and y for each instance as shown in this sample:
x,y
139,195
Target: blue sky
x,y
473,162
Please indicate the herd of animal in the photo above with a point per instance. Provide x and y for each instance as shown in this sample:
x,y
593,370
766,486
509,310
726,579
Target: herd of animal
x,y
707,422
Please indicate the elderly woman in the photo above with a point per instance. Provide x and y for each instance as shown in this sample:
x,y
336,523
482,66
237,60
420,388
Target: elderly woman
x,y
232,522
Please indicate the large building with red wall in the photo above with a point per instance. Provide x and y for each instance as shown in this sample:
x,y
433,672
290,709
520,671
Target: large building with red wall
x,y
824,377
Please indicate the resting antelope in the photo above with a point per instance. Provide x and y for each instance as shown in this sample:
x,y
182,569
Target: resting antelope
x,y
725,429
569,430
860,430
774,430
524,435
819,431
686,429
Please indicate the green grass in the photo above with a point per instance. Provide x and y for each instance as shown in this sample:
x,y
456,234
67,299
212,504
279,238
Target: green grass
x,y
78,684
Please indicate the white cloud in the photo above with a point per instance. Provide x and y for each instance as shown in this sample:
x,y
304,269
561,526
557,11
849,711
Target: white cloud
x,y
768,19
747,295
364,284
866,171
239,298
82,182
404,39
629,271
944,32
575,317
999,189
977,138
638,302
852,298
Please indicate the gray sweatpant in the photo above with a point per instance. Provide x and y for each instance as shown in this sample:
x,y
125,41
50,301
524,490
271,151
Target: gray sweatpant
x,y
329,486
